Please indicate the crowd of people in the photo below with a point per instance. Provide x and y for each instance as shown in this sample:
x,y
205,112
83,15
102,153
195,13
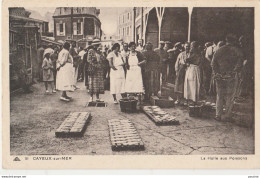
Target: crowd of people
x,y
222,69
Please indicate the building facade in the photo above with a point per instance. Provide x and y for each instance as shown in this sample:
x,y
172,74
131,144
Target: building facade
x,y
125,26
24,38
182,24
76,23
108,40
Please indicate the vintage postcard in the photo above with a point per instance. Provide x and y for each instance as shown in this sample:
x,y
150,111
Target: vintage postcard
x,y
130,84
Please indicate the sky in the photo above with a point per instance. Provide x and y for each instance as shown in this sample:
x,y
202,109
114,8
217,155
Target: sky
x,y
108,17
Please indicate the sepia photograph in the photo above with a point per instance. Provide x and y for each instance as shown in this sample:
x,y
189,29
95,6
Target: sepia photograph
x,y
160,81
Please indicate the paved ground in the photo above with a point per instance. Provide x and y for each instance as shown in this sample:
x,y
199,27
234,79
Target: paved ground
x,y
36,116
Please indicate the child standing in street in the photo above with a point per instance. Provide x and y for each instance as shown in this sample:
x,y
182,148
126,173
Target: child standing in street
x,y
48,77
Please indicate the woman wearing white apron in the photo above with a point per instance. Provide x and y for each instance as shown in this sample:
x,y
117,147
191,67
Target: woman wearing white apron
x,y
192,80
117,72
65,71
134,81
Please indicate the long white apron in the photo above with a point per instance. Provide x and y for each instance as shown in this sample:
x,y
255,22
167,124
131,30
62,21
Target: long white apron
x,y
117,77
65,77
192,83
134,81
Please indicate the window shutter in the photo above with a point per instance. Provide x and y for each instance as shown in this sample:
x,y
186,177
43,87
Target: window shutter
x,y
64,29
74,28
58,29
81,28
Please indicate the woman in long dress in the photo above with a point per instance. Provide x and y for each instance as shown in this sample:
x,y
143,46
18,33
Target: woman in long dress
x,y
180,68
65,71
192,80
117,73
95,71
134,81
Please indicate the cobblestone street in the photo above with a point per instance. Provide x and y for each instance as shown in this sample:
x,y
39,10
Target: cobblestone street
x,y
36,116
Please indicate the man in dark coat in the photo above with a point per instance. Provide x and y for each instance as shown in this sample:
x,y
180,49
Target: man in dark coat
x,y
163,60
40,52
151,72
226,64
173,54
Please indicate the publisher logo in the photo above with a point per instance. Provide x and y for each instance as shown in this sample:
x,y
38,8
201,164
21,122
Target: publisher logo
x,y
16,159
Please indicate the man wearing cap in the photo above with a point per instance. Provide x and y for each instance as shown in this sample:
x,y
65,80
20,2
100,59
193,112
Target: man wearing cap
x,y
151,71
226,63
95,71
173,54
163,60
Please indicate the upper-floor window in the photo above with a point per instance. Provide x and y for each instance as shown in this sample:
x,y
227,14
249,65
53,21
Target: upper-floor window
x,y
60,29
77,28
89,26
128,16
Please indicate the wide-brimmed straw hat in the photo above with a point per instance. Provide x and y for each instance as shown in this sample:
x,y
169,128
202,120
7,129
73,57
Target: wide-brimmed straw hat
x,y
96,42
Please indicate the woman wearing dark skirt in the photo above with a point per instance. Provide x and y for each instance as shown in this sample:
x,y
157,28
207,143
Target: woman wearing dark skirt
x,y
95,71
180,68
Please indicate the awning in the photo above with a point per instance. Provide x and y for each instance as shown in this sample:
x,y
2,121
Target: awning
x,y
50,41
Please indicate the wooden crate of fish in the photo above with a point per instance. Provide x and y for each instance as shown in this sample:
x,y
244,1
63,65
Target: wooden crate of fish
x,y
160,117
74,125
124,136
162,101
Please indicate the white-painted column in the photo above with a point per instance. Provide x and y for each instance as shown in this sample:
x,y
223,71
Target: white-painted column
x,y
160,13
189,29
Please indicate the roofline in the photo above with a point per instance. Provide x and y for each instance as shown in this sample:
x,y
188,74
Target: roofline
x,y
27,18
77,15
